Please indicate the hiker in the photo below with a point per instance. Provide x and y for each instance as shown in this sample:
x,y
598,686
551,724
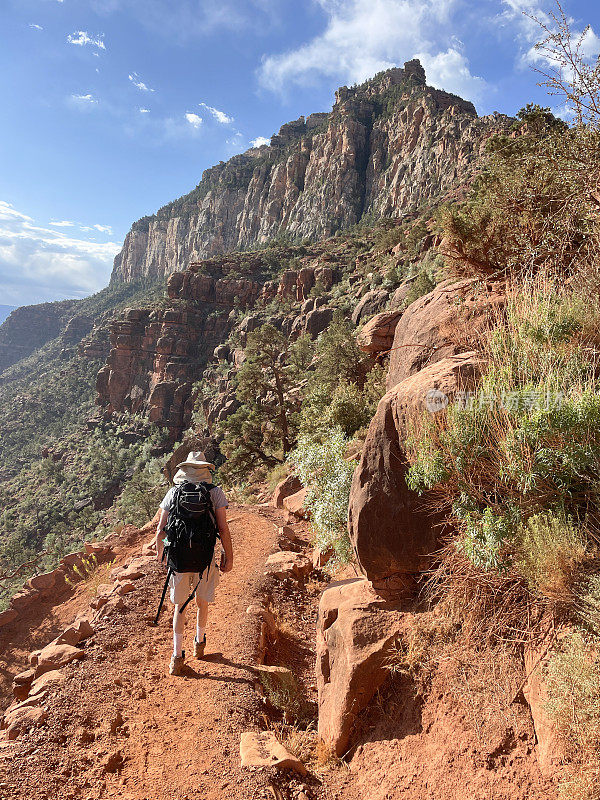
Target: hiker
x,y
193,483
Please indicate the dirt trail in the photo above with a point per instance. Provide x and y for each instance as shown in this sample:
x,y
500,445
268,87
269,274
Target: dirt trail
x,y
164,737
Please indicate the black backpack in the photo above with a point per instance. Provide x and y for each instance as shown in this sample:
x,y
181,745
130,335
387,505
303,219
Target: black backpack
x,y
191,529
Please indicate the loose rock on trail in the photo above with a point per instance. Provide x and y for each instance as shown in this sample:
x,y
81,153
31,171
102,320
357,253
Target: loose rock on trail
x,y
120,726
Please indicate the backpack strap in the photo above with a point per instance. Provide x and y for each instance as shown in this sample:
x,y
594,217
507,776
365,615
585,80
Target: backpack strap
x,y
211,510
183,607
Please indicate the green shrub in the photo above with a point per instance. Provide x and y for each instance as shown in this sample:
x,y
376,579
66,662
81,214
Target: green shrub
x,y
551,549
327,475
527,443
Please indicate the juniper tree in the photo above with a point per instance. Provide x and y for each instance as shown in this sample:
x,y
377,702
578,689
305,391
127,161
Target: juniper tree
x,y
264,429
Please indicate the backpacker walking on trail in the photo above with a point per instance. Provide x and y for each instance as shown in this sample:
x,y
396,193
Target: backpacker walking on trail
x,y
192,520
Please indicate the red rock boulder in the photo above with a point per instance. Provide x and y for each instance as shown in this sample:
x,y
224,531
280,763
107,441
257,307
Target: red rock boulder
x,y
444,322
377,336
356,630
391,531
285,488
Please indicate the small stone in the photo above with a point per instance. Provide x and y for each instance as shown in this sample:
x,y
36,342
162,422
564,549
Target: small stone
x,y
263,750
23,718
54,656
287,564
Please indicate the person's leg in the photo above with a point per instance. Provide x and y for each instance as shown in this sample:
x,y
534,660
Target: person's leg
x,y
201,618
178,627
205,594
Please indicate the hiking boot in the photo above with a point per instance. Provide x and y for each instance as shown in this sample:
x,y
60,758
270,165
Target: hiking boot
x,y
199,647
176,665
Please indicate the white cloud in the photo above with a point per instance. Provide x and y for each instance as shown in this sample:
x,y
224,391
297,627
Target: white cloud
x,y
236,143
260,141
83,38
451,69
220,116
139,84
38,263
37,27
84,100
144,110
522,15
194,120
67,223
362,37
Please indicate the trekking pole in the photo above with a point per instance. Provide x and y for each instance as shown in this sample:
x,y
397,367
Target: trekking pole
x,y
162,599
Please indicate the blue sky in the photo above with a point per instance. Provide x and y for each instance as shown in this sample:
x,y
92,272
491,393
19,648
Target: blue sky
x,y
111,108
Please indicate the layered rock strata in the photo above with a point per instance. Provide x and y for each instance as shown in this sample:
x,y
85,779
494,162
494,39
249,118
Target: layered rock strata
x,y
386,147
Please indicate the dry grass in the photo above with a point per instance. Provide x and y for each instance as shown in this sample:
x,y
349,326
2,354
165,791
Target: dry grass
x,y
417,653
553,553
305,743
91,573
573,679
491,608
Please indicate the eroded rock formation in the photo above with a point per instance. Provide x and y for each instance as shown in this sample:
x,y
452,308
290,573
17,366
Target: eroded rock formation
x,y
392,531
385,148
448,320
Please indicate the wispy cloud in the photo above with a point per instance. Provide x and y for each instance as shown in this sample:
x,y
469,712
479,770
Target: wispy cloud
x,y
68,223
236,143
362,37
35,26
84,100
260,141
194,120
182,20
38,263
521,15
107,229
83,38
220,116
139,84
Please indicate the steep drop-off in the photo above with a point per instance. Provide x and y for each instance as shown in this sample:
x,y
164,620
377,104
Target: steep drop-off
x,y
386,148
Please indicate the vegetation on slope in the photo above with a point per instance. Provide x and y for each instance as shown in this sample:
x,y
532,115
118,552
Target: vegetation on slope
x,y
516,466
57,475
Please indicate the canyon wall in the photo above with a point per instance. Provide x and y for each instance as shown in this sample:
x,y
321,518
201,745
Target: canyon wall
x,y
386,148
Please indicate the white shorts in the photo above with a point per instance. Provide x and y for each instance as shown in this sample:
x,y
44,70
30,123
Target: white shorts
x,y
182,585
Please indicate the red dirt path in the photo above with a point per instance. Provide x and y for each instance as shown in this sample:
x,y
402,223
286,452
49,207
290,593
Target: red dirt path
x,y
179,737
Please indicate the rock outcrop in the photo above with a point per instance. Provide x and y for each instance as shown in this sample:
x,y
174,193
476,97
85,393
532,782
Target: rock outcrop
x,y
356,630
444,322
550,747
377,336
154,358
392,532
385,148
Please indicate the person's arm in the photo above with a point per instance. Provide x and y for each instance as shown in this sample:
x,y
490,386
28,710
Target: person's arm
x,y
158,541
227,560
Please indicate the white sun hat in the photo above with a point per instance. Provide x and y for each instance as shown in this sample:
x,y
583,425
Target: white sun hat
x,y
194,469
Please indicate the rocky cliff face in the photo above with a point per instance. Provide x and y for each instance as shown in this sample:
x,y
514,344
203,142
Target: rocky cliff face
x,y
387,147
154,355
